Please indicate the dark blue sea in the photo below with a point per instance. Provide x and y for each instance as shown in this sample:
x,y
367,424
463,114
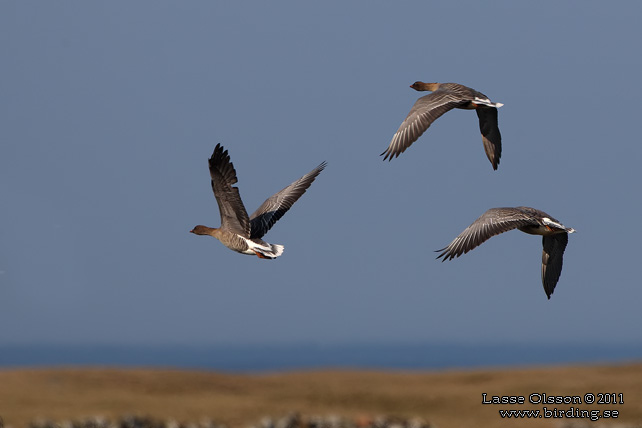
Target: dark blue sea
x,y
266,358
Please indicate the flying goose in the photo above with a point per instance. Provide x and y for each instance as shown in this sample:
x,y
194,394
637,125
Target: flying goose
x,y
239,232
528,220
445,97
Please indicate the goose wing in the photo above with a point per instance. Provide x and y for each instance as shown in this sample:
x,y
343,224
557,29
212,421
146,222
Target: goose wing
x,y
233,214
552,255
426,110
491,136
278,204
491,223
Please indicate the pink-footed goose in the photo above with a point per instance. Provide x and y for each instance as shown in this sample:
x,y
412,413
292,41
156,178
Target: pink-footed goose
x,y
445,97
528,220
238,231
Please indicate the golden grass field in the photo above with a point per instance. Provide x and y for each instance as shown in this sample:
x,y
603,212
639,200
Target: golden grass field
x,y
442,398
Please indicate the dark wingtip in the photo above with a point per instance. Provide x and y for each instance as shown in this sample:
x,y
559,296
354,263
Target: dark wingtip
x,y
220,150
443,253
494,162
388,155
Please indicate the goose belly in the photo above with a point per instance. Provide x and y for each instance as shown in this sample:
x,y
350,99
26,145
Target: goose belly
x,y
538,230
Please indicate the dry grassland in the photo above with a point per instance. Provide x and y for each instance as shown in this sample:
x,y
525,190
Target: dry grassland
x,y
443,398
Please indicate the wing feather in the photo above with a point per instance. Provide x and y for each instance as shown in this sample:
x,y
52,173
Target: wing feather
x,y
278,204
552,258
491,223
491,137
423,113
233,214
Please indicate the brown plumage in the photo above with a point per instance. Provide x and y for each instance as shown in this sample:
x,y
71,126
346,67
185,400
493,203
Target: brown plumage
x,y
238,231
528,220
445,97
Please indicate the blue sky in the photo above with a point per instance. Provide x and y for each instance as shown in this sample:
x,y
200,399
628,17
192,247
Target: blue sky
x,y
110,110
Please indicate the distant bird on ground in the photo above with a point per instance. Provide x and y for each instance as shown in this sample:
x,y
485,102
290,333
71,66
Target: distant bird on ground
x,y
528,220
447,96
239,232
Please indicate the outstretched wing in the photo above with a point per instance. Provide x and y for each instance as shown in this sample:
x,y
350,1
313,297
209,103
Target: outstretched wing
x,y
552,255
278,204
491,136
491,223
426,110
233,215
